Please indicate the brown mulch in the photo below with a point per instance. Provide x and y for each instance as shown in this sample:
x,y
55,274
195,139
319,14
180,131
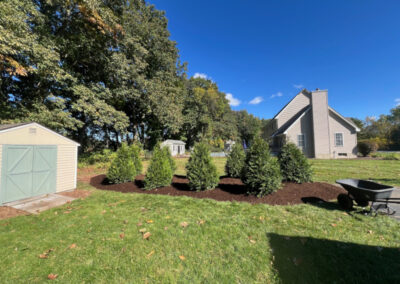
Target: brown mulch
x,y
77,193
9,212
230,189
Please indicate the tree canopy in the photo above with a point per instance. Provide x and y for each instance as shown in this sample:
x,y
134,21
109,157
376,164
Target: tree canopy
x,y
103,72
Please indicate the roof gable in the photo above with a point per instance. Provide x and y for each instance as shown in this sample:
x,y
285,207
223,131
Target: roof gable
x,y
12,127
302,92
345,120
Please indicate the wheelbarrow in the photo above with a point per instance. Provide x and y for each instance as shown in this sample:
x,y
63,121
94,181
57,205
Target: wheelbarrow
x,y
363,192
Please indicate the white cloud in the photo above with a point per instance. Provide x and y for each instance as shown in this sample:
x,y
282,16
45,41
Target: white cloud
x,y
256,101
232,100
278,94
298,86
397,101
201,75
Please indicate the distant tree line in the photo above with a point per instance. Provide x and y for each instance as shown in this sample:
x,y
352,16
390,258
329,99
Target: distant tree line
x,y
384,130
105,71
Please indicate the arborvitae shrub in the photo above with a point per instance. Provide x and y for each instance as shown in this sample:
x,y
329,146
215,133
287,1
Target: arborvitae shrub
x,y
201,171
235,161
294,165
261,173
171,161
159,172
122,168
135,151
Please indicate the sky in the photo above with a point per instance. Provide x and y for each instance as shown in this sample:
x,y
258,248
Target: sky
x,y
261,53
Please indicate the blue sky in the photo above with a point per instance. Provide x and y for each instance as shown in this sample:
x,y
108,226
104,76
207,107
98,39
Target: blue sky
x,y
264,51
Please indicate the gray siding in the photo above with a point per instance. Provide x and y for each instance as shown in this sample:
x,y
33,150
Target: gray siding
x,y
303,126
337,125
298,103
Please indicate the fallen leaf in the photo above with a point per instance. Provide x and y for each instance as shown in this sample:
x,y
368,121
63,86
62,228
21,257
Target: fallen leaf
x,y
52,276
143,209
201,222
125,221
184,224
139,224
165,228
149,221
333,225
182,257
151,253
56,213
123,249
146,235
72,246
370,231
143,230
122,236
69,201
45,254
104,211
167,217
67,212
252,241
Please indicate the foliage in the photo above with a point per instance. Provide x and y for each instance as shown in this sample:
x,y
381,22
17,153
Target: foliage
x,y
171,160
159,172
366,147
261,172
201,171
294,165
135,151
122,168
235,161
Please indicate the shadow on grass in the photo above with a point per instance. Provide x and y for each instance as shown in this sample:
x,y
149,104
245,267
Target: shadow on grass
x,y
311,260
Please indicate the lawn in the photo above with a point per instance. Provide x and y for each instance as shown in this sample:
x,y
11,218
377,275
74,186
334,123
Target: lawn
x,y
223,242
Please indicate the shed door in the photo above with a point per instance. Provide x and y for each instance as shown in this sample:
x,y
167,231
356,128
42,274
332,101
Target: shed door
x,y
27,171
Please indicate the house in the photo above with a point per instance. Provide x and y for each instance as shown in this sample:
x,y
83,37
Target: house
x,y
34,161
176,147
310,123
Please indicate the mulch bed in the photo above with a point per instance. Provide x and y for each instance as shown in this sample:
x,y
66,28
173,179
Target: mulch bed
x,y
229,189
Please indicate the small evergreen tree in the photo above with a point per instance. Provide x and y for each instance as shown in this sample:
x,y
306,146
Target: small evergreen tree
x,y
235,161
201,171
159,172
261,173
171,161
135,151
122,168
294,165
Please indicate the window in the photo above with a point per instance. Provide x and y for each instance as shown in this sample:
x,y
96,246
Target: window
x,y
339,139
301,140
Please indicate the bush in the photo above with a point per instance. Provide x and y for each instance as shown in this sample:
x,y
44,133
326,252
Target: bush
x,y
294,165
366,147
135,151
261,173
235,161
122,168
201,171
159,172
171,161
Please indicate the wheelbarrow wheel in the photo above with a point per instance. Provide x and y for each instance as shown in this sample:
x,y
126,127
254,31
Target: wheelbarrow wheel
x,y
362,203
345,201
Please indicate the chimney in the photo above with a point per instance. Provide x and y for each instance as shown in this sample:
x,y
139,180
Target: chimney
x,y
320,115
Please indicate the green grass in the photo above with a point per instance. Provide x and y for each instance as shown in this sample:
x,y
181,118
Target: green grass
x,y
384,171
238,243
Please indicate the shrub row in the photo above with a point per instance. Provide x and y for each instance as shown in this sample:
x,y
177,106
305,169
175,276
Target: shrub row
x,y
261,173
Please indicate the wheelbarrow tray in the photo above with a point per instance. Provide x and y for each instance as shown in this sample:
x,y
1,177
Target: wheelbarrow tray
x,y
366,190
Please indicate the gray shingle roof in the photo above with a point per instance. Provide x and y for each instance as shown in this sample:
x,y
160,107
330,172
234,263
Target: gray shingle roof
x,y
12,125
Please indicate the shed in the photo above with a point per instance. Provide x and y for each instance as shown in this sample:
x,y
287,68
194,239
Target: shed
x,y
176,147
35,160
